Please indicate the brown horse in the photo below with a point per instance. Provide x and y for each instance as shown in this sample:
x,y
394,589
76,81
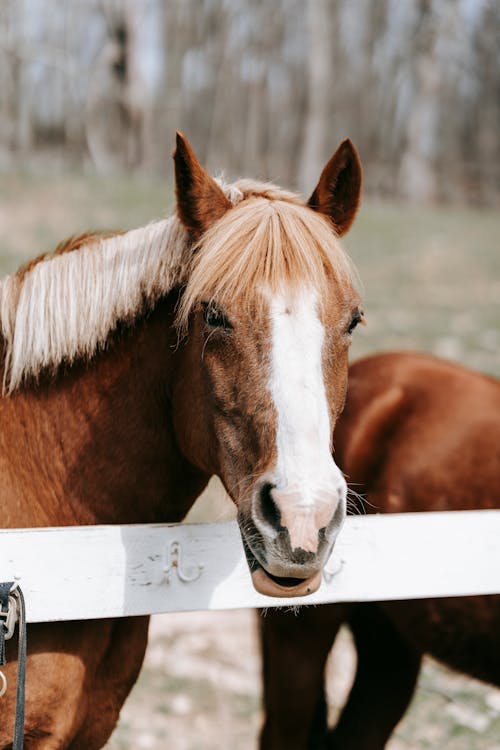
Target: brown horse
x,y
417,434
137,365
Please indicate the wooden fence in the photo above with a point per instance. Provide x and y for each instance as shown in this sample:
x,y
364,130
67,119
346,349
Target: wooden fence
x,y
87,572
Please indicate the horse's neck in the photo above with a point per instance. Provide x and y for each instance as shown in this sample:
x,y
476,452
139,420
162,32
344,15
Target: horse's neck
x,y
96,445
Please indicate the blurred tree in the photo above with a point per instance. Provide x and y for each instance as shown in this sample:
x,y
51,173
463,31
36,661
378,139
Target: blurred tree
x,y
266,88
317,127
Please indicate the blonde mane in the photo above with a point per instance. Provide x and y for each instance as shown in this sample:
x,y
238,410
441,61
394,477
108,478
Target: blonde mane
x,y
65,306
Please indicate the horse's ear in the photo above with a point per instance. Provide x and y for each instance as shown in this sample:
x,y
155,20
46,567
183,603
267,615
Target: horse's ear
x,y
338,191
200,201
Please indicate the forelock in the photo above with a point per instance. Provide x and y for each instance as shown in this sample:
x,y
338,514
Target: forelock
x,y
269,240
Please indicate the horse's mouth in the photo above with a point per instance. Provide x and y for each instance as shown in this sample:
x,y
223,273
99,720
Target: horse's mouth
x,y
266,583
279,586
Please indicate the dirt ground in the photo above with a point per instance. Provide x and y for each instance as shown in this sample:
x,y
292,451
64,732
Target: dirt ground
x,y
200,690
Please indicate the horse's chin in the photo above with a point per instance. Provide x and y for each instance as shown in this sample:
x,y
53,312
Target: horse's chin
x,y
278,586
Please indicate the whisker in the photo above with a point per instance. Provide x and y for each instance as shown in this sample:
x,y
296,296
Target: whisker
x,y
355,502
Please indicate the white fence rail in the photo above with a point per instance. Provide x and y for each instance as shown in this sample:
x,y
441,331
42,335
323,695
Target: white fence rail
x,y
87,572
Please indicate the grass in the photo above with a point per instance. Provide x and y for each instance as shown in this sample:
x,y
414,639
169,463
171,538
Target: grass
x,y
432,282
37,211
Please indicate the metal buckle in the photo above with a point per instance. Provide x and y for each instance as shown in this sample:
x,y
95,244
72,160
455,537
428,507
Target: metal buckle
x,y
10,618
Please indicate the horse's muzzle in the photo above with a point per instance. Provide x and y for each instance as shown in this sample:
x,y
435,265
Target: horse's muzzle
x,y
280,566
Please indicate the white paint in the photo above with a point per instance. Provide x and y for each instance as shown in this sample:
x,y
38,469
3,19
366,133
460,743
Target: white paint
x,y
112,571
307,480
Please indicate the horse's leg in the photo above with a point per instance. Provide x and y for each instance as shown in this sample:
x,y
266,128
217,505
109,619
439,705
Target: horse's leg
x,y
115,677
295,648
63,659
387,671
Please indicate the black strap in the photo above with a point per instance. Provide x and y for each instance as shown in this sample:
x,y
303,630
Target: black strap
x,y
5,592
4,608
21,672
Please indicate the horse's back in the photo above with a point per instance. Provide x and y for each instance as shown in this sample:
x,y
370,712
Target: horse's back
x,y
419,434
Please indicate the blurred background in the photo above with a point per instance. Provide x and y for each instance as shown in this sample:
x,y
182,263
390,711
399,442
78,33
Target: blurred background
x,y
261,87
91,93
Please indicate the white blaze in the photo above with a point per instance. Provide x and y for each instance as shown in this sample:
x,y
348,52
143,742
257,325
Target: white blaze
x,y
306,478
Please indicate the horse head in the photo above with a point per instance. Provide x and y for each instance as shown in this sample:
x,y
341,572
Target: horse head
x,y
266,316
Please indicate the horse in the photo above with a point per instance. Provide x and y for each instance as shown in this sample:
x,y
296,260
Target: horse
x,y
137,365
417,434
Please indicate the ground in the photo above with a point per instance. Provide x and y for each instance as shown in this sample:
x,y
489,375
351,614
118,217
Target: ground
x,y
432,282
200,690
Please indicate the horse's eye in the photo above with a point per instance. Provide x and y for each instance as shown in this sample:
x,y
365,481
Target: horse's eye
x,y
214,317
358,317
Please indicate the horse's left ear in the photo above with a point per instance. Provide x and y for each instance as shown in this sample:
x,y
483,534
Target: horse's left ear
x,y
200,201
338,191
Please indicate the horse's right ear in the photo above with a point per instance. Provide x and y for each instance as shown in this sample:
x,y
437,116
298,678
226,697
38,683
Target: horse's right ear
x,y
338,191
200,201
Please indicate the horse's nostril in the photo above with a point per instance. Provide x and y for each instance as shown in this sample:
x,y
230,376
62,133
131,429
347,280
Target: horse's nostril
x,y
268,508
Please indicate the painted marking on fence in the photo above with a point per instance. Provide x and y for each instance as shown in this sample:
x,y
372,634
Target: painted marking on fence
x,y
87,572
